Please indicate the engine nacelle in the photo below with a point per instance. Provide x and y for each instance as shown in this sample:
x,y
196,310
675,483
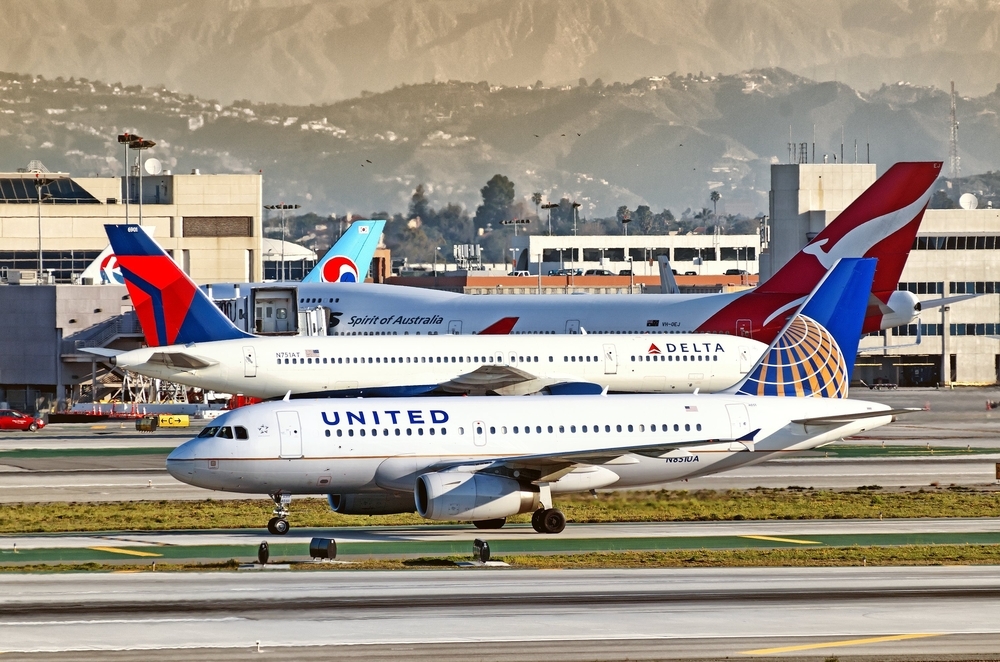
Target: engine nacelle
x,y
377,503
455,495
903,307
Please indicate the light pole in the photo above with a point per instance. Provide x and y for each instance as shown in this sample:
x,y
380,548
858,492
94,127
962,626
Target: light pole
x,y
282,207
39,183
138,143
513,259
550,206
436,249
124,139
576,216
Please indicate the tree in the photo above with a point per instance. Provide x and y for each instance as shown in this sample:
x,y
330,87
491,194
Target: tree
x,y
623,213
644,219
714,197
498,198
419,206
537,199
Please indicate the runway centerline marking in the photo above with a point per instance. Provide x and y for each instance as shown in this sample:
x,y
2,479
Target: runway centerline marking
x,y
774,539
848,642
118,550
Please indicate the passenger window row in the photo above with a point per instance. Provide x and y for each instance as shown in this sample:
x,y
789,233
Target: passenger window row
x,y
671,357
398,432
490,360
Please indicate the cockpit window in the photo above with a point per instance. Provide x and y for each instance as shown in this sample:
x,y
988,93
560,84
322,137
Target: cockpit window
x,y
225,433
209,431
241,432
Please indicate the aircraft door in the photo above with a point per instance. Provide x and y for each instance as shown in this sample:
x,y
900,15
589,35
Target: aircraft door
x,y
479,433
290,433
745,362
744,328
739,420
572,326
249,362
455,327
610,360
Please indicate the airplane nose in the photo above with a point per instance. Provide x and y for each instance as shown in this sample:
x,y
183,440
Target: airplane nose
x,y
179,461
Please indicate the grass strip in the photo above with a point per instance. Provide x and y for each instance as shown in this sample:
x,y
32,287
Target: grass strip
x,y
868,502
909,555
849,451
34,453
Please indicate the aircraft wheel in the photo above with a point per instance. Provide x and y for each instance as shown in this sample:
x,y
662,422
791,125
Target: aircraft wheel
x,y
537,520
277,526
554,521
491,523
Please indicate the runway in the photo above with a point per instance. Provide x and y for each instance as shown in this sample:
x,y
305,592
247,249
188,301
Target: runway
x,y
482,614
357,543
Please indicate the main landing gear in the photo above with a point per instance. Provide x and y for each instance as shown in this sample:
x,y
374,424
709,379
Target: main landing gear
x,y
548,520
278,525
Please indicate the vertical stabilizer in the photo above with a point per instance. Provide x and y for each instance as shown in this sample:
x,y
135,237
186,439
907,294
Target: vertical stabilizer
x,y
349,259
808,358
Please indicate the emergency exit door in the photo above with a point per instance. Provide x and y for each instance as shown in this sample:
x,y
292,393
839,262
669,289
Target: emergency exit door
x,y
290,433
249,362
610,360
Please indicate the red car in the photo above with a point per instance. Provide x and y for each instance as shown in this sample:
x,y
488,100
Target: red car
x,y
11,419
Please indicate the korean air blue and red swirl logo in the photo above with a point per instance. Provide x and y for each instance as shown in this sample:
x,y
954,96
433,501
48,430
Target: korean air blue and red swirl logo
x,y
340,269
110,271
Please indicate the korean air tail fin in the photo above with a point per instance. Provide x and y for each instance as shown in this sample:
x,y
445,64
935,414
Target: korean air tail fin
x,y
813,355
349,259
172,310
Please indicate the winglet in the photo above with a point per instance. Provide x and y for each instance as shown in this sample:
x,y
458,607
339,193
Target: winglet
x,y
501,327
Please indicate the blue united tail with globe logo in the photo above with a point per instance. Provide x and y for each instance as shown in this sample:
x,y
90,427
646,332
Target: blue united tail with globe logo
x,y
814,354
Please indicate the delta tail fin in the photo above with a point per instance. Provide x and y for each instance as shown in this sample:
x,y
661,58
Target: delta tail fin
x,y
172,310
349,259
813,355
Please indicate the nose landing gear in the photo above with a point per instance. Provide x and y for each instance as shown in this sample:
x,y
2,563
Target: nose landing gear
x,y
278,525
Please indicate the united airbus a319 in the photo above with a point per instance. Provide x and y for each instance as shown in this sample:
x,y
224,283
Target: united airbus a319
x,y
484,459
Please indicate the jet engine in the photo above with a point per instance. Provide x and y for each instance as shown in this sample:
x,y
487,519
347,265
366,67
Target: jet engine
x,y
457,495
378,503
902,307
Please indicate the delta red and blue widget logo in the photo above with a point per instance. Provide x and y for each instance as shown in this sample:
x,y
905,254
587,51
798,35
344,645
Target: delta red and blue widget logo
x,y
340,269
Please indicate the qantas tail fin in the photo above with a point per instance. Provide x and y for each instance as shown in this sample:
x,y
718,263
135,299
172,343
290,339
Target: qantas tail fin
x,y
814,354
171,308
881,223
349,259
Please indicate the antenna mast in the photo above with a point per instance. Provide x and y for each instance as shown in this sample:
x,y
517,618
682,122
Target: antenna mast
x,y
956,161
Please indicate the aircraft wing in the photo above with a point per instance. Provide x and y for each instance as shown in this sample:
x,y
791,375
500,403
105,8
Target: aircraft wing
x,y
548,467
506,380
181,360
102,351
486,379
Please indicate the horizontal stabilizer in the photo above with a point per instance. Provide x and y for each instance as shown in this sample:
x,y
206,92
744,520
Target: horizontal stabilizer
x,y
946,301
102,351
848,418
180,360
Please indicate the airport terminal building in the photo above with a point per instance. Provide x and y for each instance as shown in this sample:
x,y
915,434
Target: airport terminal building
x,y
210,224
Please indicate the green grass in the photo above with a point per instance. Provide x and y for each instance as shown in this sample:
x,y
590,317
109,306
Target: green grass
x,y
666,505
32,453
907,555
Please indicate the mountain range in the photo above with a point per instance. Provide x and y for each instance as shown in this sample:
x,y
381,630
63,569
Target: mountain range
x,y
662,141
320,51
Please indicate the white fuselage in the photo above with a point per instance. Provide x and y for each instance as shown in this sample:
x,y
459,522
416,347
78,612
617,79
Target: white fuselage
x,y
382,444
268,367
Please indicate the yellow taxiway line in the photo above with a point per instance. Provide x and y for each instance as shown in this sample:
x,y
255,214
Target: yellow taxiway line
x,y
792,540
129,552
848,642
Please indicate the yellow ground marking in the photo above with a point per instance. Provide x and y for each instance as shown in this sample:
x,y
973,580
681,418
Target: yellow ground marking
x,y
792,540
849,642
117,550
